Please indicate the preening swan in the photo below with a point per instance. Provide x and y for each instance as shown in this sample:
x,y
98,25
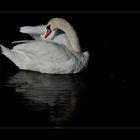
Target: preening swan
x,y
55,50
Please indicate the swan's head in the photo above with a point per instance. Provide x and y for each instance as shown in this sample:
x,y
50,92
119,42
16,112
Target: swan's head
x,y
54,24
65,27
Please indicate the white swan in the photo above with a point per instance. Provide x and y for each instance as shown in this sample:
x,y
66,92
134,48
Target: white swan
x,y
50,55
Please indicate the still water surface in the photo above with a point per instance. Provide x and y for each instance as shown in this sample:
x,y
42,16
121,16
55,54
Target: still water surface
x,y
34,98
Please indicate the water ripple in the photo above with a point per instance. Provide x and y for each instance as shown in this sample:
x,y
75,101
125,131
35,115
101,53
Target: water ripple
x,y
58,94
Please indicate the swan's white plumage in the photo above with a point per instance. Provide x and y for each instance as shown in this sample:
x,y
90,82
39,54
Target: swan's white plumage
x,y
34,31
47,56
37,32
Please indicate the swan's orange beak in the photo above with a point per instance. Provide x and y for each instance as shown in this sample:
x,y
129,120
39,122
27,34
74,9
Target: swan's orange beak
x,y
47,32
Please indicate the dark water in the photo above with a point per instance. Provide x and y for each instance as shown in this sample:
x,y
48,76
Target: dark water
x,y
106,94
85,99
41,98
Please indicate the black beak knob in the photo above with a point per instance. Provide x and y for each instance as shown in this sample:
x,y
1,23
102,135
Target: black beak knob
x,y
48,27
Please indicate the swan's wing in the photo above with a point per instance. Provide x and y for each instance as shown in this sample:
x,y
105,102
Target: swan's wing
x,y
34,31
46,51
46,57
22,41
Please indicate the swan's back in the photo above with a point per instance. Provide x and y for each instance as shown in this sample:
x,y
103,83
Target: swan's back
x,y
48,51
47,57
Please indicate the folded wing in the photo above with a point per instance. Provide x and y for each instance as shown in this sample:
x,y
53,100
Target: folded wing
x,y
33,31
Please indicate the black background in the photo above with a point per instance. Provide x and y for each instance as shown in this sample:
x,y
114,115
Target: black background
x,y
112,41
112,38
88,5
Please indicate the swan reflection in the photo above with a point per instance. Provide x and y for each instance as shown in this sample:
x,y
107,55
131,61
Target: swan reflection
x,y
57,94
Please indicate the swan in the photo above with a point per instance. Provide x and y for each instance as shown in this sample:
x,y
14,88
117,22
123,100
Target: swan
x,y
47,55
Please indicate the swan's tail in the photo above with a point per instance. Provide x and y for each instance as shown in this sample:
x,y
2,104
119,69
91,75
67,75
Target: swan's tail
x,y
6,64
5,51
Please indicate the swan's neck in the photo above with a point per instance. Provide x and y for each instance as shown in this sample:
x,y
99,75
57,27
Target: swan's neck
x,y
72,36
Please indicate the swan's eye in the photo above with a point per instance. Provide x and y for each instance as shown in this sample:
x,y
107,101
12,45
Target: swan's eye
x,y
48,27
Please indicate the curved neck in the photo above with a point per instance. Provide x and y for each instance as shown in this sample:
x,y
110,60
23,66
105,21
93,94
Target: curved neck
x,y
72,36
